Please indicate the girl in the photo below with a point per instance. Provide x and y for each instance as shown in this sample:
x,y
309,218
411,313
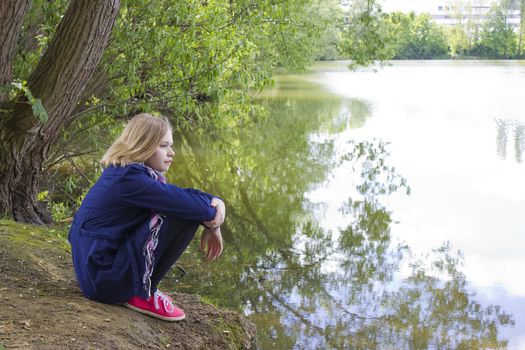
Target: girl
x,y
132,226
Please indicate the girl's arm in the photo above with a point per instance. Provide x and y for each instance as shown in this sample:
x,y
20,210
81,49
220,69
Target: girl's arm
x,y
211,243
220,215
139,190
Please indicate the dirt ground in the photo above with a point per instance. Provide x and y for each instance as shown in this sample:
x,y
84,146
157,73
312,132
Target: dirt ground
x,y
41,306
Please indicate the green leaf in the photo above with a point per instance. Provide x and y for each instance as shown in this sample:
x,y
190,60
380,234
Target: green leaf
x,y
36,104
39,111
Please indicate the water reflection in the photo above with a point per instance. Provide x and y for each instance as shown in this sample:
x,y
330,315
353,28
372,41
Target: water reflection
x,y
262,171
307,286
360,111
517,129
425,312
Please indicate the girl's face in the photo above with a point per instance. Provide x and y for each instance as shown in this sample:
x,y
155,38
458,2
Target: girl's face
x,y
161,159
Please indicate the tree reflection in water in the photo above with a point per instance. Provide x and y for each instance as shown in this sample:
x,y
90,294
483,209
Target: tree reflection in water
x,y
307,287
504,128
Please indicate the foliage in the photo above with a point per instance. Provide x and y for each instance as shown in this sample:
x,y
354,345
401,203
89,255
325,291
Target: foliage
x,y
498,40
482,34
326,47
17,87
373,35
468,18
416,36
39,26
195,61
369,34
458,41
365,38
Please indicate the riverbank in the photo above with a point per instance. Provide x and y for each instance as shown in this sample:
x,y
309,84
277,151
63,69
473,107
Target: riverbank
x,y
42,307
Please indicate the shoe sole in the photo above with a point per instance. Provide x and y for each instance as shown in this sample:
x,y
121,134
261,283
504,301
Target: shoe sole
x,y
152,314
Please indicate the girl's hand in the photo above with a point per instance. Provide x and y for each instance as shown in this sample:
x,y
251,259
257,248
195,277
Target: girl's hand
x,y
212,241
219,215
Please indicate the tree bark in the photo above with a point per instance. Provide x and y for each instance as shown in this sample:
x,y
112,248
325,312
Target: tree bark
x,y
12,13
59,81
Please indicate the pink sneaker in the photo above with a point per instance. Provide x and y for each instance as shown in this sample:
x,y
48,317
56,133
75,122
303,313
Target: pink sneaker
x,y
159,305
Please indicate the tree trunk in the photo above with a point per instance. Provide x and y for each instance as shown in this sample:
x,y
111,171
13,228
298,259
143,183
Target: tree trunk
x,y
58,80
12,13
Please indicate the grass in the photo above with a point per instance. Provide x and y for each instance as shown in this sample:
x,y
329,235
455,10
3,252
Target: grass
x,y
35,236
233,332
205,300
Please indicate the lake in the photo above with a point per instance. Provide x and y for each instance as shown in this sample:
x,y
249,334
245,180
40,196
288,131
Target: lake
x,y
378,208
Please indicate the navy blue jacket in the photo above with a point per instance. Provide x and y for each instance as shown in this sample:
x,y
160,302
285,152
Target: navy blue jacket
x,y
112,224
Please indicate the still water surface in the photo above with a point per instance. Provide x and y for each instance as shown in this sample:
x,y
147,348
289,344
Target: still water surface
x,y
372,209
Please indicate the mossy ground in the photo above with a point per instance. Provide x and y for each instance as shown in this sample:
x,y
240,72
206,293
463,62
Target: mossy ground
x,y
42,307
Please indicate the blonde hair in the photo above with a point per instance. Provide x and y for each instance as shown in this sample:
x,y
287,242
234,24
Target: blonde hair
x,y
138,141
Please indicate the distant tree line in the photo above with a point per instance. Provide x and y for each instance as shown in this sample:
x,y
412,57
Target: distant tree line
x,y
416,36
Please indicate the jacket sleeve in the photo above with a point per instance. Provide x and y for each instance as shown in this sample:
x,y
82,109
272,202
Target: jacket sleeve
x,y
195,191
137,189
